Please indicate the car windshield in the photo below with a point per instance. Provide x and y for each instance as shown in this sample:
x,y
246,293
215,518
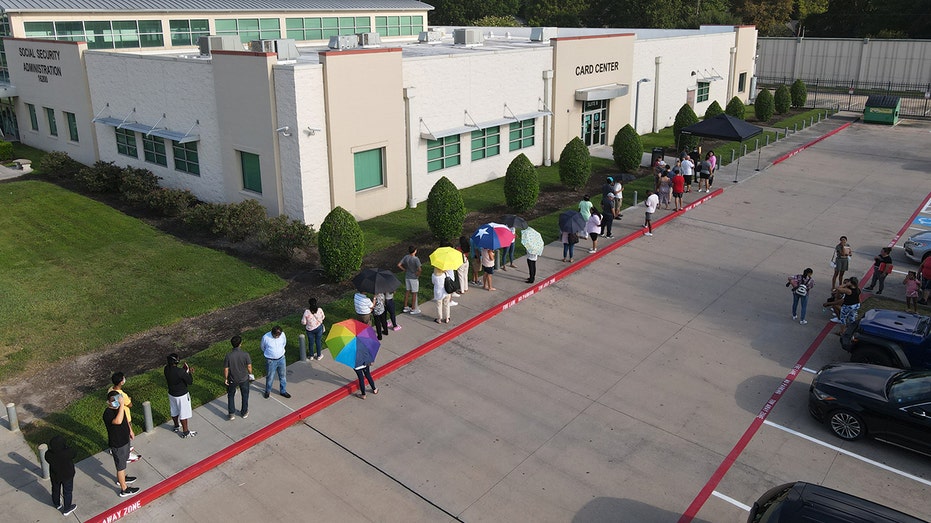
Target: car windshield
x,y
768,508
910,388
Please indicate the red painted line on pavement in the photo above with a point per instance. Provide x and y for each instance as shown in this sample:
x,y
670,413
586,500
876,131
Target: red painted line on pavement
x,y
147,496
792,153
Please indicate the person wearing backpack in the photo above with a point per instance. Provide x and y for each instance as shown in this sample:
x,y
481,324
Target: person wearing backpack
x,y
801,285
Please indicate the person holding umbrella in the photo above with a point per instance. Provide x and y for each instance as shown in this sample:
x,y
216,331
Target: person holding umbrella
x,y
354,344
533,242
488,266
442,298
570,225
463,271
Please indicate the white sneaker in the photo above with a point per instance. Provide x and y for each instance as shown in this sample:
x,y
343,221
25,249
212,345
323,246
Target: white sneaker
x,y
648,234
453,303
836,320
407,309
456,295
415,311
794,316
803,322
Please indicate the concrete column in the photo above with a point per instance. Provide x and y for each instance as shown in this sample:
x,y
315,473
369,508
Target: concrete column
x,y
548,119
797,60
656,82
409,93
11,415
732,73
147,416
864,56
43,448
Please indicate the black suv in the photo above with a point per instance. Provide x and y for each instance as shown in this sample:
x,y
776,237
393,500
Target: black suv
x,y
890,338
800,501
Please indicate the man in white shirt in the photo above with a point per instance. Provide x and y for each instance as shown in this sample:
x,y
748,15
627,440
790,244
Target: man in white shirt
x,y
688,169
273,343
651,202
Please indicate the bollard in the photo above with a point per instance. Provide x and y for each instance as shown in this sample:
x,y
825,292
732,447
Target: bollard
x,y
147,415
767,139
795,128
757,146
11,414
819,117
787,133
43,448
744,153
732,155
302,343
635,198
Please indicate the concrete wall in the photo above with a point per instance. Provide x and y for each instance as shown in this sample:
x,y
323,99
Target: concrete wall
x,y
744,56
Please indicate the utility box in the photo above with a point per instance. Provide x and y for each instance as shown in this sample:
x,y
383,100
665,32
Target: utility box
x,y
657,154
882,109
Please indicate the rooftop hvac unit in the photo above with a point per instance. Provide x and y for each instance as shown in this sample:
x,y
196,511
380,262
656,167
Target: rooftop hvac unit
x,y
430,37
542,34
468,36
285,48
213,43
344,42
369,39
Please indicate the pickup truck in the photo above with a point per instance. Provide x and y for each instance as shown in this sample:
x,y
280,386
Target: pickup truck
x,y
890,338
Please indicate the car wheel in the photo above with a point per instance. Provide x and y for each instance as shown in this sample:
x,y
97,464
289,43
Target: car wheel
x,y
846,425
874,355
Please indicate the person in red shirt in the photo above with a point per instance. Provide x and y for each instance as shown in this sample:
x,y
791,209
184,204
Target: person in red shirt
x,y
678,187
925,270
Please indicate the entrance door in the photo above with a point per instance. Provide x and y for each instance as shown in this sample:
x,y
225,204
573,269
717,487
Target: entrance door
x,y
594,122
8,122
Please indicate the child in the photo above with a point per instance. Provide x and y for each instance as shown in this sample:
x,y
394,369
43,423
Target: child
x,y
381,315
911,292
60,458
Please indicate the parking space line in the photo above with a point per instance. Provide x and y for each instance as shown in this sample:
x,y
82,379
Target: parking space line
x,y
851,454
731,500
806,369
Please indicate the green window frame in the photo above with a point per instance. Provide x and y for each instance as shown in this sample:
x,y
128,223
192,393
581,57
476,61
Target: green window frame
x,y
39,29
398,25
126,143
251,171
153,150
369,168
521,134
249,29
52,124
704,88
33,117
442,153
188,32
486,143
741,82
185,157
72,126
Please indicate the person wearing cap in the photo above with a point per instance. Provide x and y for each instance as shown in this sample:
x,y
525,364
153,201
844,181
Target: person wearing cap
x,y
607,207
179,379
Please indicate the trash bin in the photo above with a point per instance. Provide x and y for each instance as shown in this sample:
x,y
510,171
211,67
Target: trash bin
x,y
658,152
882,109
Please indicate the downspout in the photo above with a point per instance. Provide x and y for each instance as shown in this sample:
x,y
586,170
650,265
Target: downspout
x,y
656,84
548,119
409,93
731,77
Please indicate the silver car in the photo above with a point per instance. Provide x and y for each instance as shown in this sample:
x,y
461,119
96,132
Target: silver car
x,y
918,246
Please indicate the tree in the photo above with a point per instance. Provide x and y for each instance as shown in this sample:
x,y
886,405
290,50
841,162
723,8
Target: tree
x,y
684,118
765,107
736,108
663,14
341,244
496,21
799,93
627,149
445,210
769,16
783,100
464,12
713,110
521,184
556,13
575,165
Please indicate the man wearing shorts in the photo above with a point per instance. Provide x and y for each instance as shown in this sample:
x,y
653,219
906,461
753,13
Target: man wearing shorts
x,y
687,168
651,202
179,378
704,173
842,253
678,187
118,440
410,264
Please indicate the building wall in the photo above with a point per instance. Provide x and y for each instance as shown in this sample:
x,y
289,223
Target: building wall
x,y
744,61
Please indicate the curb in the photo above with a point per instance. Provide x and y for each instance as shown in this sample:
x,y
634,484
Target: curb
x,y
793,152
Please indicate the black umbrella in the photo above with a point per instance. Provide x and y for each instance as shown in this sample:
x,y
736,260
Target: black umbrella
x,y
375,281
512,220
571,221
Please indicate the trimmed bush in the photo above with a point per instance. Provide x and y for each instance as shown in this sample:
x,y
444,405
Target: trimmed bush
x,y
521,184
170,202
136,184
799,92
341,245
205,216
765,106
445,210
783,99
58,164
6,151
282,236
736,108
101,177
684,118
627,149
713,110
242,220
575,165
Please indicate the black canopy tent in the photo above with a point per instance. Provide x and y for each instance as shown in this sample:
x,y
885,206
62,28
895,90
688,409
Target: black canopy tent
x,y
724,127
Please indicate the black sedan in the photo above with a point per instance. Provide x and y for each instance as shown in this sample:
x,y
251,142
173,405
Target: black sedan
x,y
892,405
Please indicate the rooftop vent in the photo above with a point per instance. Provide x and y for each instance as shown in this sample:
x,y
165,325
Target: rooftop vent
x,y
344,42
468,36
369,39
285,48
214,43
430,37
542,34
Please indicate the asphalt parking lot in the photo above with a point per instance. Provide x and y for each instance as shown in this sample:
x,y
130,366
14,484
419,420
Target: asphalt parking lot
x,y
617,393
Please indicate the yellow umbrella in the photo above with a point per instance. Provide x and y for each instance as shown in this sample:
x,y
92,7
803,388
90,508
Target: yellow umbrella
x,y
446,259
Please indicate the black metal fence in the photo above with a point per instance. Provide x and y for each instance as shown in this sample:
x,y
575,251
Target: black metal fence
x,y
851,96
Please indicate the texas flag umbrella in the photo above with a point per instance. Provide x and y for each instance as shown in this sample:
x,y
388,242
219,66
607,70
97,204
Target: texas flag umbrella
x,y
352,343
493,236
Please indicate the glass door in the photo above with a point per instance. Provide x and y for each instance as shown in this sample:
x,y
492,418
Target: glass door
x,y
595,122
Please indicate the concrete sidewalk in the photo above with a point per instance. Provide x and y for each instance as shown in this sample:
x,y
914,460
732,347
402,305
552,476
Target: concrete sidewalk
x,y
165,454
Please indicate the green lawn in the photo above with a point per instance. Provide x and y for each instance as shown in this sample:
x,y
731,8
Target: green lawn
x,y
78,275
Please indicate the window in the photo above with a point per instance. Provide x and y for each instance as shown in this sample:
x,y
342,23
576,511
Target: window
x,y
442,153
33,118
52,126
398,25
324,28
486,143
187,32
521,135
186,157
153,150
100,34
251,172
741,82
126,143
72,126
703,89
250,29
369,168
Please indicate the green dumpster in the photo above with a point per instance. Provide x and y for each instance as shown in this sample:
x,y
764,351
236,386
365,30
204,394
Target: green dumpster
x,y
881,108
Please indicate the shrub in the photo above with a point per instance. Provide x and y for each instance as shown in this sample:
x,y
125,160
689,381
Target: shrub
x,y
242,219
713,110
783,99
628,149
58,164
684,118
521,184
445,210
799,93
170,202
736,108
282,236
6,150
765,106
136,184
100,177
341,245
575,165
206,217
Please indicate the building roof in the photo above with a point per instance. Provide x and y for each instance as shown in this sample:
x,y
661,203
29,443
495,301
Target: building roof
x,y
57,6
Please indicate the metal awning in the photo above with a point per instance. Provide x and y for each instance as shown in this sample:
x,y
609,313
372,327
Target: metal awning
x,y
8,90
602,92
149,130
454,131
531,116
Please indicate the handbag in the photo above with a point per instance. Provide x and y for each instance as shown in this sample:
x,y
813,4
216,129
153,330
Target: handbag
x,y
833,263
885,268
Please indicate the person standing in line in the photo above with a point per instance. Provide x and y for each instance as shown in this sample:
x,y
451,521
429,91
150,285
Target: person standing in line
x,y
651,202
363,306
532,266
618,200
801,285
380,315
507,253
392,311
411,266
568,245
704,174
488,266
585,207
882,266
911,292
607,205
842,253
593,228
851,297
475,258
60,459
924,270
114,417
179,400
237,373
273,348
118,379
364,372
462,273
312,320
440,296
714,167
678,188
688,168
665,187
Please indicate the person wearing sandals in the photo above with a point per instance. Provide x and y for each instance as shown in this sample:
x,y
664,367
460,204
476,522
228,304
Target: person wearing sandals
x,y
364,372
440,296
313,323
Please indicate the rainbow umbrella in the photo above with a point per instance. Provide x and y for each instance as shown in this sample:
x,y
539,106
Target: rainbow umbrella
x,y
352,343
493,236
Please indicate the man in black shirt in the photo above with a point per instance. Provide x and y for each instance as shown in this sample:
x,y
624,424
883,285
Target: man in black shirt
x,y
118,439
179,400
237,372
